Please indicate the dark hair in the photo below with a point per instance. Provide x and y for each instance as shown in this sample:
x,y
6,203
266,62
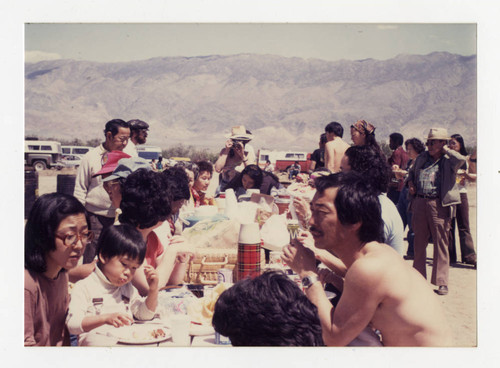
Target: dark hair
x,y
253,171
146,199
370,141
335,128
204,166
191,166
48,211
417,144
322,138
460,139
368,162
356,201
269,310
123,239
397,138
177,182
115,124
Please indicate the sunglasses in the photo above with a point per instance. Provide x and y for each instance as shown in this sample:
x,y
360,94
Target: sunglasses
x,y
432,142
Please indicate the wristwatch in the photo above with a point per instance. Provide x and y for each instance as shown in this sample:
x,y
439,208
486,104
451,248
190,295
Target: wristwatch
x,y
308,281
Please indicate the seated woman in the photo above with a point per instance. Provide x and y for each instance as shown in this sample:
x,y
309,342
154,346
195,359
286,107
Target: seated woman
x,y
56,234
201,184
253,177
146,203
178,183
192,171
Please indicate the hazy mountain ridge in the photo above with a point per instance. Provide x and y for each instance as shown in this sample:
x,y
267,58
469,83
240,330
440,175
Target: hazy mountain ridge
x,y
286,102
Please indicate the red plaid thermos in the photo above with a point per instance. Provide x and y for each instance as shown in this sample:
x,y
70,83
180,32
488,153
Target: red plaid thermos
x,y
248,251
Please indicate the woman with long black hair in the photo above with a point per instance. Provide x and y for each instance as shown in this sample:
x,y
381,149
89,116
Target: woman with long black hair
x,y
466,174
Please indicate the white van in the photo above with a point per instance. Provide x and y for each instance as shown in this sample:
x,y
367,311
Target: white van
x,y
75,150
42,154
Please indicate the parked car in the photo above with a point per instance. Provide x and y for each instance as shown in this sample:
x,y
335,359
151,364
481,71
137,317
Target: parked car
x,y
71,161
41,155
75,150
149,152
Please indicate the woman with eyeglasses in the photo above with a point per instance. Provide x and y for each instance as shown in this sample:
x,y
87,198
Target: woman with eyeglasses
x,y
466,174
56,234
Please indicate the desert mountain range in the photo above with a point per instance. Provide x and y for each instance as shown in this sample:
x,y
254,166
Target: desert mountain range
x,y
285,102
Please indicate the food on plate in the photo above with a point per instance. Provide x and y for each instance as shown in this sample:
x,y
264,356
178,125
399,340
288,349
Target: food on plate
x,y
141,333
202,310
157,333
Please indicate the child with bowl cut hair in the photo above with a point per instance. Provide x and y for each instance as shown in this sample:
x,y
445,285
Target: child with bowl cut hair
x,y
107,298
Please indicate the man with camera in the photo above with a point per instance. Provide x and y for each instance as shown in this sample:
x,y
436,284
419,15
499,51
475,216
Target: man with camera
x,y
234,157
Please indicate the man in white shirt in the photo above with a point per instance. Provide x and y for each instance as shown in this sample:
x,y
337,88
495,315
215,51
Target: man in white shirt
x,y
88,185
138,135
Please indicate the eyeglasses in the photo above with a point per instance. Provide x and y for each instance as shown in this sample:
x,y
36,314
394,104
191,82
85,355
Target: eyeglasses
x,y
122,139
432,142
113,182
70,240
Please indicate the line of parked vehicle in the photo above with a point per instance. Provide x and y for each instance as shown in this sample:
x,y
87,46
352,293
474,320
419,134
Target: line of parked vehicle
x,y
41,155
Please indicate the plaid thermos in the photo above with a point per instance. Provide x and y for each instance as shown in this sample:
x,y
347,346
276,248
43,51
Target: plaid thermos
x,y
248,251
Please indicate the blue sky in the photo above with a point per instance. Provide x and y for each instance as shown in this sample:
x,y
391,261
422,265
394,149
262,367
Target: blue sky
x,y
108,42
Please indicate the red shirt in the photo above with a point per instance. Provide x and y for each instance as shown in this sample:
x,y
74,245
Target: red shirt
x,y
154,249
399,157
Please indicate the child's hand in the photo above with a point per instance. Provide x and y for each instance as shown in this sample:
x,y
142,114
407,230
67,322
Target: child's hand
x,y
118,319
184,257
151,277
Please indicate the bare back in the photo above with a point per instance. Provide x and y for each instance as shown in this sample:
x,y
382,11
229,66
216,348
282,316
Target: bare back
x,y
399,300
334,150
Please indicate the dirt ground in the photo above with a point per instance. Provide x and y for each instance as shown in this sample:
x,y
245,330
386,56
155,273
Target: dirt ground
x,y
460,304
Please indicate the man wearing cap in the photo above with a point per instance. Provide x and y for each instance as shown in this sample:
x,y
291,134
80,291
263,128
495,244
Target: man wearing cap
x,y
233,155
138,135
88,185
432,186
113,181
335,146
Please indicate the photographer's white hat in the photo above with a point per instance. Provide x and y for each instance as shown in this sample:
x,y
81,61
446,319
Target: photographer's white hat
x,y
438,134
239,133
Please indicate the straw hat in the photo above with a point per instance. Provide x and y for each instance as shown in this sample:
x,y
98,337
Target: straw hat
x,y
127,166
239,133
438,134
111,161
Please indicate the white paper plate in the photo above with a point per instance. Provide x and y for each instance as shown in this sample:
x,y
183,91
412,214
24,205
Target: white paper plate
x,y
200,330
139,334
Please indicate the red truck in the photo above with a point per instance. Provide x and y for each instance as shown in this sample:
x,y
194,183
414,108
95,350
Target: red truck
x,y
282,160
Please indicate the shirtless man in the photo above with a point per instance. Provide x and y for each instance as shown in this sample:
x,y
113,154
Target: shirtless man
x,y
380,289
335,147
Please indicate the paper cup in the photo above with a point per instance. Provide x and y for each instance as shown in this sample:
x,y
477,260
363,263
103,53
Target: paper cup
x,y
249,234
180,329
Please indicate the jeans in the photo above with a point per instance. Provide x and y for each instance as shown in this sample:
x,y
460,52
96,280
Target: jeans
x,y
406,216
466,242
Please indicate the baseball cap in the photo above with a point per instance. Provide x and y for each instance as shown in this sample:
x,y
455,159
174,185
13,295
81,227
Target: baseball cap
x,y
111,161
126,166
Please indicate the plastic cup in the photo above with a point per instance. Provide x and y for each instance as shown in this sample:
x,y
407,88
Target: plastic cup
x,y
180,329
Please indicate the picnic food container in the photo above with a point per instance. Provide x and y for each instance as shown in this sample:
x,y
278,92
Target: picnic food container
x,y
249,251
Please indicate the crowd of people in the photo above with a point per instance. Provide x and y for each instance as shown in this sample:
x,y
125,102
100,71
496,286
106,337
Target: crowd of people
x,y
118,240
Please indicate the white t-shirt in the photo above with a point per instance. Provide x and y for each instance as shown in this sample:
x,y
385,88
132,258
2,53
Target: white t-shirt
x,y
393,225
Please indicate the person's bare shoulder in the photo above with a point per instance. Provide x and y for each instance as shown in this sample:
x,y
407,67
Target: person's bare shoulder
x,y
374,265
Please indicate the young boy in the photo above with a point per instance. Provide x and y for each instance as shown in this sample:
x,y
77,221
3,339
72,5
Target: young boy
x,y
107,297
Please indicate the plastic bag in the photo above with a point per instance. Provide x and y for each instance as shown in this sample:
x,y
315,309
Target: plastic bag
x,y
274,233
